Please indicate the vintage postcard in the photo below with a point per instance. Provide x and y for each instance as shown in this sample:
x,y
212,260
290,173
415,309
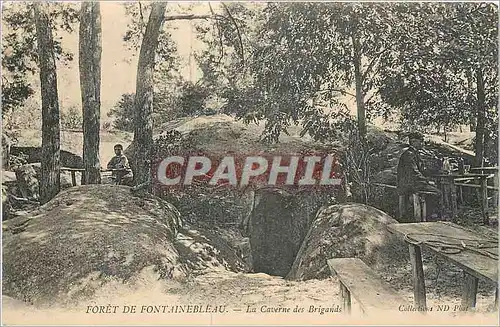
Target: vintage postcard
x,y
249,163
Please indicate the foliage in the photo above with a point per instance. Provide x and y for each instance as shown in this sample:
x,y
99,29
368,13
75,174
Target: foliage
x,y
166,58
297,58
19,55
191,100
432,81
72,118
123,111
184,99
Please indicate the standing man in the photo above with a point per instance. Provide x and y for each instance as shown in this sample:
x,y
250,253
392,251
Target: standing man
x,y
122,175
410,178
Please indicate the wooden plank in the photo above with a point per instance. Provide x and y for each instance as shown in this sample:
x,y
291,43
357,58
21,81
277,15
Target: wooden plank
x,y
451,176
346,298
469,291
72,169
385,185
73,178
487,169
476,186
364,285
418,276
476,264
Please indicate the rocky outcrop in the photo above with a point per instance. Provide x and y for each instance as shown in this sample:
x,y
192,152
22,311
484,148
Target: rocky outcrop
x,y
88,236
85,237
347,230
34,154
27,182
278,218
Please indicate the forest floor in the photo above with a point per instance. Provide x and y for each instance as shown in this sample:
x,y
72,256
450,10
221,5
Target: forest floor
x,y
239,293
242,292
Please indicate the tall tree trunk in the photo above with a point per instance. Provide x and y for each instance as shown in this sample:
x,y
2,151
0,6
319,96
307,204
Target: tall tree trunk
x,y
90,49
358,80
481,119
50,181
143,103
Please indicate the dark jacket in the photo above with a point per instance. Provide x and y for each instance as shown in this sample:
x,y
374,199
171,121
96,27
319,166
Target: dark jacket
x,y
410,177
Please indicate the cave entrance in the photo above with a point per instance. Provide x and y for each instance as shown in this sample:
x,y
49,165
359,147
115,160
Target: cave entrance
x,y
277,228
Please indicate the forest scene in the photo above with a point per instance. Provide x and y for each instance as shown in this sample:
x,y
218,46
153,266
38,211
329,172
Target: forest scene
x,y
402,95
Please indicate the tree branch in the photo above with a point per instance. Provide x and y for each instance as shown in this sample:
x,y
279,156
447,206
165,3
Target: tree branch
x,y
142,18
371,64
187,17
242,55
219,32
337,90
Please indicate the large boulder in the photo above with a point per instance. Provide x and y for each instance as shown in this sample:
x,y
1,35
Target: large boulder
x,y
27,182
222,135
34,154
205,248
85,237
348,230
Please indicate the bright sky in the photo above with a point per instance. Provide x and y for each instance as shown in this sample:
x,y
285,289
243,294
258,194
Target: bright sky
x,y
119,65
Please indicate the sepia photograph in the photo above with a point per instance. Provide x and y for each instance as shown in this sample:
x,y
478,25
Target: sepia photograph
x,y
249,163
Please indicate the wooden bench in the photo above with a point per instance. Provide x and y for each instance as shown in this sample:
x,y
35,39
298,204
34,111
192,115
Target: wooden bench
x,y
358,280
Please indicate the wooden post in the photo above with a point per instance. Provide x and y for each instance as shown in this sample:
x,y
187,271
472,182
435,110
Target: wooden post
x,y
346,298
484,200
402,207
73,177
417,211
461,171
418,276
495,184
423,207
453,191
469,291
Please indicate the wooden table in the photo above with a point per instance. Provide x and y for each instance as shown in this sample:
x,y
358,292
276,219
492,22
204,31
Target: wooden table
x,y
476,263
451,179
73,172
490,170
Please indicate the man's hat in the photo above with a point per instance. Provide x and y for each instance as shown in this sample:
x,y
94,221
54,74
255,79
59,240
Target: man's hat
x,y
416,136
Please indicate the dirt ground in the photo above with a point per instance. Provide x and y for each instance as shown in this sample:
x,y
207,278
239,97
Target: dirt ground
x,y
235,295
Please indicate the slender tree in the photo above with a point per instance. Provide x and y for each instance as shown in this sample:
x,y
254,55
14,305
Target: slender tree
x,y
143,132
90,48
51,127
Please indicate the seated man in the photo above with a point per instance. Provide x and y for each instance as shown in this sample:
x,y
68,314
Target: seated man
x,y
410,177
123,174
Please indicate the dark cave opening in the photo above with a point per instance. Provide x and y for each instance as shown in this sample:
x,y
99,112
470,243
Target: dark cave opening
x,y
277,229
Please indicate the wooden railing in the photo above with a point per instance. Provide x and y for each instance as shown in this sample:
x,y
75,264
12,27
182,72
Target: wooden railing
x,y
73,172
485,173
